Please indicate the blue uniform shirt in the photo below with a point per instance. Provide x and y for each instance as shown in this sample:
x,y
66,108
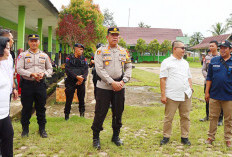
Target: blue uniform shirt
x,y
221,88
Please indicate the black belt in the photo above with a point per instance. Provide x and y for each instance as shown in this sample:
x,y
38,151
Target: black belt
x,y
33,81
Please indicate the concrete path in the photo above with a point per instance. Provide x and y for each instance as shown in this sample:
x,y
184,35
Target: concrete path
x,y
197,76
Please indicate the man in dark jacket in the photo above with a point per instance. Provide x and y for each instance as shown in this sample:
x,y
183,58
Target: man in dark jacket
x,y
77,70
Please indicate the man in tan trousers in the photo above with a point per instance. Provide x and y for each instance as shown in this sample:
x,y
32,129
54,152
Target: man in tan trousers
x,y
219,92
176,92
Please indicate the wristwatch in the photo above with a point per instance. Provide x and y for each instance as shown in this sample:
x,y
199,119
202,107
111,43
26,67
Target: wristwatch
x,y
124,80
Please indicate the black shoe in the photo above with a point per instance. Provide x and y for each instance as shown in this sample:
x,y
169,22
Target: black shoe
x,y
185,141
220,123
25,133
164,141
82,114
204,119
43,133
96,144
66,117
117,141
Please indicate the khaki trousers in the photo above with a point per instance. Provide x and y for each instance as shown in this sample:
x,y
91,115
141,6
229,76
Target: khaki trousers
x,y
184,110
215,107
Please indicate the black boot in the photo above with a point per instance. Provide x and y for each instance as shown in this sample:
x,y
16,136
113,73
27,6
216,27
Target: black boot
x,y
116,138
96,140
25,131
185,141
164,141
82,114
42,132
66,116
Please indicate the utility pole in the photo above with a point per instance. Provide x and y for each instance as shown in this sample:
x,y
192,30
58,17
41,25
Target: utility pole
x,y
129,18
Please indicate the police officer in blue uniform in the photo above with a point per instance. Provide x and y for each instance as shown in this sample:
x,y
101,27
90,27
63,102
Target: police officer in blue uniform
x,y
218,92
77,70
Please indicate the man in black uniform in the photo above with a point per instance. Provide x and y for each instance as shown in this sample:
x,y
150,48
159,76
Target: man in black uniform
x,y
77,70
33,65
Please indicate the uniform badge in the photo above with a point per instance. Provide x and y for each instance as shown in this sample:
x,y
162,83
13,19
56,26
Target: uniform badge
x,y
106,63
98,52
28,54
28,60
19,57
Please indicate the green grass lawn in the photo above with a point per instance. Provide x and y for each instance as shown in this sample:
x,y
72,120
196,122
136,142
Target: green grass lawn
x,y
141,132
191,64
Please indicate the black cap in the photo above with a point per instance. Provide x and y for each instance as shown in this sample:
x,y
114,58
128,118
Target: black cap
x,y
33,36
79,45
113,30
226,43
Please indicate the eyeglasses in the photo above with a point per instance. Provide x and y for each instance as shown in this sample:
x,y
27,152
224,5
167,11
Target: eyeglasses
x,y
183,48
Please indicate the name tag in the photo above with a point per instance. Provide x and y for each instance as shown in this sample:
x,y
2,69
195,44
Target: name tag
x,y
216,66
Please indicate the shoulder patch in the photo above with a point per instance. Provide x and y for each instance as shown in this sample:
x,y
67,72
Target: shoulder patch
x,y
19,57
99,52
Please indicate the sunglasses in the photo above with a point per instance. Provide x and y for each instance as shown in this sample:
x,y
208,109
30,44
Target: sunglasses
x,y
183,48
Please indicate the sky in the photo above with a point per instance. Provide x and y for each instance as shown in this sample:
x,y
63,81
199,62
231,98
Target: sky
x,y
188,15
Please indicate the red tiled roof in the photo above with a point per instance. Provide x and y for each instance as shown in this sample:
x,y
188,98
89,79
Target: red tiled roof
x,y
205,43
132,34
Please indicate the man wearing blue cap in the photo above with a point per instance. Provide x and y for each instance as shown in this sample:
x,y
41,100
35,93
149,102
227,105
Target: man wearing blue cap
x,y
218,92
77,70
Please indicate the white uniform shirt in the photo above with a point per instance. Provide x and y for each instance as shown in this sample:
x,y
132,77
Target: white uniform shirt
x,y
5,90
8,67
177,73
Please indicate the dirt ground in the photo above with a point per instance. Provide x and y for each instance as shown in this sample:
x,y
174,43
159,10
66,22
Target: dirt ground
x,y
135,96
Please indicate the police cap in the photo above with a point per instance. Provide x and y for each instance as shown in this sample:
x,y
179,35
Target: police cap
x,y
113,30
79,45
33,37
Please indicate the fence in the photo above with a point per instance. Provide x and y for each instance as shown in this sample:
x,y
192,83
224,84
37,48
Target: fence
x,y
155,58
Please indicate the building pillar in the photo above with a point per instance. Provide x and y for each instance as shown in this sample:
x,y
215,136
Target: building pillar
x,y
57,58
50,41
21,27
40,33
62,54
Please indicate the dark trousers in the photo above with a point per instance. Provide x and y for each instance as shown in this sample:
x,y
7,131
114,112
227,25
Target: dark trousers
x,y
103,100
69,92
207,108
33,92
6,136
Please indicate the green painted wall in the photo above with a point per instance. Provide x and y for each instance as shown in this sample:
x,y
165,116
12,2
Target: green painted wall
x,y
13,26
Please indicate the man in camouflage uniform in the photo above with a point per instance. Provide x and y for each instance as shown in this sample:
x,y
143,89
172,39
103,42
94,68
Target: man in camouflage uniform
x,y
33,65
114,67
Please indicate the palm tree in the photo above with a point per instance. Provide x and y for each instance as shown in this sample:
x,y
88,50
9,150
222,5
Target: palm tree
x,y
196,38
219,29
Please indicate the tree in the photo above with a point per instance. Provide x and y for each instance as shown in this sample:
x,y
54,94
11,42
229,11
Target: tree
x,y
109,19
153,46
219,29
142,25
81,22
122,43
141,46
166,46
196,38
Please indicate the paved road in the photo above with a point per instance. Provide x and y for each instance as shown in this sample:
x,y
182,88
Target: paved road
x,y
197,76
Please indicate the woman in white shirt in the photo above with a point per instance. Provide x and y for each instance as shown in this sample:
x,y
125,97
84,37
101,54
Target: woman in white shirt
x,y
6,129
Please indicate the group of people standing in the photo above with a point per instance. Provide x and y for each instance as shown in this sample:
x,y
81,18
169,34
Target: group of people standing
x,y
112,70
176,91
